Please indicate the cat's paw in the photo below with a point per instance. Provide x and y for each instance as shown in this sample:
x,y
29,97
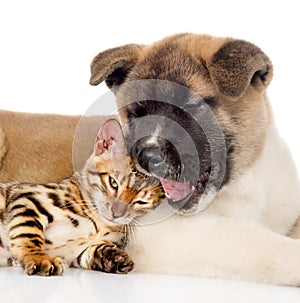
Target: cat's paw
x,y
111,259
44,266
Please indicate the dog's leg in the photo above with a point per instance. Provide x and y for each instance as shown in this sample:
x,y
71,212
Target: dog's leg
x,y
216,247
2,147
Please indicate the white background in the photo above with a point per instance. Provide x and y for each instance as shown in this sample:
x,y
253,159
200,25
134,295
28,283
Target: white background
x,y
46,47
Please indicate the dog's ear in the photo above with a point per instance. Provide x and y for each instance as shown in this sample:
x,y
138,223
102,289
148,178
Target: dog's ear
x,y
238,64
114,64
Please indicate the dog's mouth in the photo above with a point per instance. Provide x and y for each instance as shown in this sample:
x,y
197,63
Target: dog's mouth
x,y
179,193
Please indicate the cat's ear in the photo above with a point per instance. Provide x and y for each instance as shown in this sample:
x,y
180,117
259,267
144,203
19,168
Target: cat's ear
x,y
110,139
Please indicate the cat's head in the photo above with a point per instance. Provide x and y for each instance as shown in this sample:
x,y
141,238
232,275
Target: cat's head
x,y
119,191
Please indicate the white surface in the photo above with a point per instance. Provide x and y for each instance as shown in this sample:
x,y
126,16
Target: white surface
x,y
46,50
88,287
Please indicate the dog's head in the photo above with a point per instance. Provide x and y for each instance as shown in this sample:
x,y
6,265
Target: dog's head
x,y
195,107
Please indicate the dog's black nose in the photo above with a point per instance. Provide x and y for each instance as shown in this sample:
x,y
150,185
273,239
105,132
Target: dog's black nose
x,y
157,157
151,158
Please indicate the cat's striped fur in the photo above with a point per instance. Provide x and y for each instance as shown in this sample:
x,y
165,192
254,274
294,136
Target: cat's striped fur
x,y
82,221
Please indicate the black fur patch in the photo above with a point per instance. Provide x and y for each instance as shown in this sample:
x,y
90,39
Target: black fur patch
x,y
41,209
74,222
29,223
56,201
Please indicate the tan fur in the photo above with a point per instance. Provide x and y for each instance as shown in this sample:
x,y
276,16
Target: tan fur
x,y
35,141
250,106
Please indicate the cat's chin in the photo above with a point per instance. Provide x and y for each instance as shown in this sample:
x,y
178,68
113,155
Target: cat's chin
x,y
115,222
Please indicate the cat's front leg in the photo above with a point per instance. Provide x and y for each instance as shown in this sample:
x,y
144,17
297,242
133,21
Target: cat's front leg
x,y
27,241
43,265
107,257
34,259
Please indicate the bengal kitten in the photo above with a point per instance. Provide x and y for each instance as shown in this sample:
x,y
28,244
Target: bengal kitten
x,y
81,221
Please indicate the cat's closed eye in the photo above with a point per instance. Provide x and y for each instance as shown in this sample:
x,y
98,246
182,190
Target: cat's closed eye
x,y
140,202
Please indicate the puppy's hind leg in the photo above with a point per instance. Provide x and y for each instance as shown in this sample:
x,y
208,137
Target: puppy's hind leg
x,y
2,147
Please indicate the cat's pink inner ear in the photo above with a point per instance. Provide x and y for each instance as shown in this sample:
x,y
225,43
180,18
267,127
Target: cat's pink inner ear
x,y
110,138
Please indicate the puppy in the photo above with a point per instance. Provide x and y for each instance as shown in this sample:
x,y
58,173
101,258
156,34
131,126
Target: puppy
x,y
198,117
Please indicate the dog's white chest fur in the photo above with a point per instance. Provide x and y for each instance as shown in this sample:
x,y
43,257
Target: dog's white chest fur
x,y
268,193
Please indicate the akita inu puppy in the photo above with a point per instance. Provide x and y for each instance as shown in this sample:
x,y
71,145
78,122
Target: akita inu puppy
x,y
207,94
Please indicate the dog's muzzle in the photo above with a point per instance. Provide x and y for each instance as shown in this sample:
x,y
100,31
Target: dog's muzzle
x,y
178,172
157,156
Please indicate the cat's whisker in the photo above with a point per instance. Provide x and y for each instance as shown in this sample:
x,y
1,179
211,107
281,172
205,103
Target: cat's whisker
x,y
131,235
138,225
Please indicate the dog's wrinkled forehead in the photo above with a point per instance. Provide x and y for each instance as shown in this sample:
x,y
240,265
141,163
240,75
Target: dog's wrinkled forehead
x,y
173,64
154,96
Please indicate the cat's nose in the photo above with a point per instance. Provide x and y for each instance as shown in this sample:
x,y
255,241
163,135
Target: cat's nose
x,y
118,209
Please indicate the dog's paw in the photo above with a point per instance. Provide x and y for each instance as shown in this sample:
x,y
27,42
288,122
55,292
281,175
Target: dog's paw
x,y
44,266
111,259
